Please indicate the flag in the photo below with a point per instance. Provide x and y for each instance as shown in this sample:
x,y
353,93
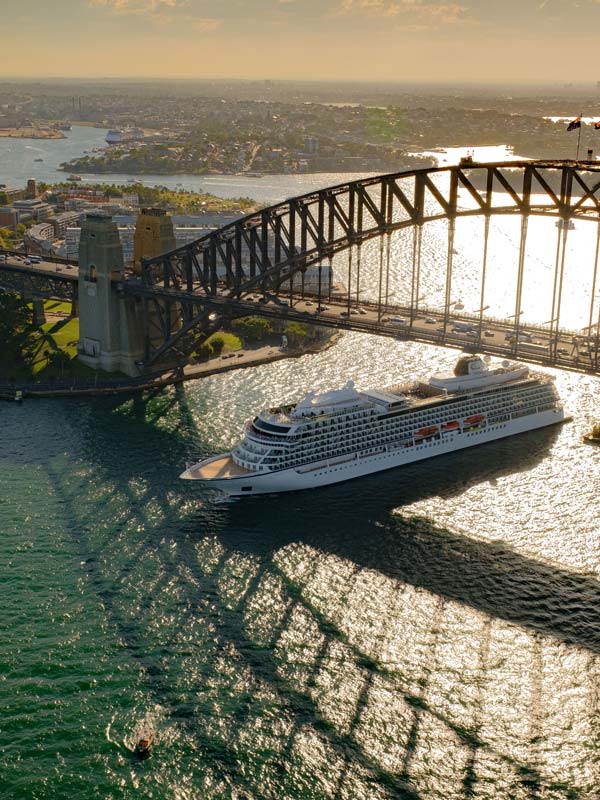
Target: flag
x,y
574,124
597,126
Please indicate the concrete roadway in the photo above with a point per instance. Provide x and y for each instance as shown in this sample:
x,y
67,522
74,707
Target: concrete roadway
x,y
60,270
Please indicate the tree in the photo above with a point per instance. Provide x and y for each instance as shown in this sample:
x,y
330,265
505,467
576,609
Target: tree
x,y
252,329
59,361
16,327
218,343
296,332
204,352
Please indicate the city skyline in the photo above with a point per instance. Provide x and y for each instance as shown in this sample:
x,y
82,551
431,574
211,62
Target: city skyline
x,y
380,40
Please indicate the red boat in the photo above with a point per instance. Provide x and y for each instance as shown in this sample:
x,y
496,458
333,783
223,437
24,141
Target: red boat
x,y
475,419
430,431
450,426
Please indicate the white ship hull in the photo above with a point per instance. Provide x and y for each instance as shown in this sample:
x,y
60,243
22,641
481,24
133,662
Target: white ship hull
x,y
345,468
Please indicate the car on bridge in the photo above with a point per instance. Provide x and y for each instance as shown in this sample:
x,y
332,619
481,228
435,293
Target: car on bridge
x,y
463,327
397,321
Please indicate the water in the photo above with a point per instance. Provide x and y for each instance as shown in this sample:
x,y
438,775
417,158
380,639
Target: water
x,y
17,164
430,632
438,638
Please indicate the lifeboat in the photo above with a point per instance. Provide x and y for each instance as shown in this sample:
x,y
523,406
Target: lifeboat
x,y
429,431
450,426
475,419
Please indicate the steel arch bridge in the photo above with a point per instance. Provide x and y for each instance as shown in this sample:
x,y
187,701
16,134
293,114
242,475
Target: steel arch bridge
x,y
187,293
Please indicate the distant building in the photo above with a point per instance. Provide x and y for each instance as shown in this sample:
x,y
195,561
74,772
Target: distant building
x,y
9,218
126,234
311,145
12,193
39,238
37,209
31,192
311,280
68,219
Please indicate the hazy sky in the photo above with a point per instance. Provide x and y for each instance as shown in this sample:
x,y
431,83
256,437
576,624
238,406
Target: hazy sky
x,y
403,40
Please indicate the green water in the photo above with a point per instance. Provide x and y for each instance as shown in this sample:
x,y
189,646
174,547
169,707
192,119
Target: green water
x,y
428,632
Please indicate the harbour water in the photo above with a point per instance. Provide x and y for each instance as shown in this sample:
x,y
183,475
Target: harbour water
x,y
18,163
430,632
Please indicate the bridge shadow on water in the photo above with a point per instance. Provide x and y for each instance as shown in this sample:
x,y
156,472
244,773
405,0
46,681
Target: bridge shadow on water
x,y
258,594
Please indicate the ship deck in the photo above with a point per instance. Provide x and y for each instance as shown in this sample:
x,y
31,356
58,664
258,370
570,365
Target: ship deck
x,y
222,467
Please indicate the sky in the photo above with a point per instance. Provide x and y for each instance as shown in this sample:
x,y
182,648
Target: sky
x,y
381,40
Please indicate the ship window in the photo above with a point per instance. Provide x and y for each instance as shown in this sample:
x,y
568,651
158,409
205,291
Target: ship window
x,y
246,488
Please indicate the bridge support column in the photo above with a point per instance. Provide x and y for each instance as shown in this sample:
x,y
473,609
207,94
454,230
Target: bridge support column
x,y
110,326
39,312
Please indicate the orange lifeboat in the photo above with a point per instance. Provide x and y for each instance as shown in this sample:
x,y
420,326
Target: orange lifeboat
x,y
430,431
450,426
475,419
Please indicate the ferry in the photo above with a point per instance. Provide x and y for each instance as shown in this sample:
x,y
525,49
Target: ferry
x,y
345,433
114,137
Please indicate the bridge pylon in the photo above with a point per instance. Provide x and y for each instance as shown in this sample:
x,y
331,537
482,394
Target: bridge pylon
x,y
110,324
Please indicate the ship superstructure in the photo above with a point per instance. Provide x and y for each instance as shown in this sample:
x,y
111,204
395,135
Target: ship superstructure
x,y
345,433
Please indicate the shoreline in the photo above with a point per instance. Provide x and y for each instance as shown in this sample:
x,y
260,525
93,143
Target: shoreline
x,y
216,366
31,133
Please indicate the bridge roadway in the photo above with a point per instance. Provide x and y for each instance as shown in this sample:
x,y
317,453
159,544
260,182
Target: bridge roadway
x,y
570,350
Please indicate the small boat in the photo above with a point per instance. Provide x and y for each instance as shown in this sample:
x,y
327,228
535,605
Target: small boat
x,y
593,437
474,420
75,178
144,743
38,159
431,430
18,396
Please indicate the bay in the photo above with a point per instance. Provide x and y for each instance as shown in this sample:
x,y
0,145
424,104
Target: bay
x,y
428,632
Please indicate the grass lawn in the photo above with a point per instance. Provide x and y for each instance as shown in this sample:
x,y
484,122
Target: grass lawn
x,y
53,336
57,307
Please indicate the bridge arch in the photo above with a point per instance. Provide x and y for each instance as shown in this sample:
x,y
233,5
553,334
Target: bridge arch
x,y
187,292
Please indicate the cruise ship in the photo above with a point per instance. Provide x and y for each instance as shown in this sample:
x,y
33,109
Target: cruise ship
x,y
345,433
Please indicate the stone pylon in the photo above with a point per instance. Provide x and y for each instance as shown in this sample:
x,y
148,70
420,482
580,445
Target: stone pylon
x,y
110,325
154,235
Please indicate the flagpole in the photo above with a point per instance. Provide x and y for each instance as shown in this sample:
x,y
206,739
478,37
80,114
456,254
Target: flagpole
x,y
579,135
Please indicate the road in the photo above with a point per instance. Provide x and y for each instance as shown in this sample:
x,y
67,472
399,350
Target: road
x,y
537,344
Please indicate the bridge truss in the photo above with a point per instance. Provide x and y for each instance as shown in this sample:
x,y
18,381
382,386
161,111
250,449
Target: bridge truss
x,y
189,292
32,282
